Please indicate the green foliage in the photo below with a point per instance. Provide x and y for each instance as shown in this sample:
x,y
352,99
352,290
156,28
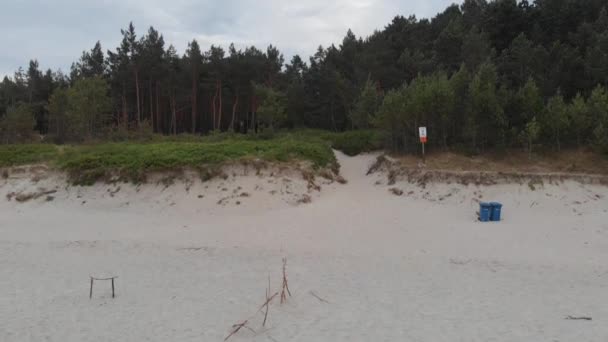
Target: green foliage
x,y
600,136
521,60
459,82
529,135
428,101
448,46
486,121
365,106
356,142
17,126
476,48
434,98
555,119
530,99
597,105
88,107
580,118
26,154
394,117
272,111
132,161
350,142
81,111
59,124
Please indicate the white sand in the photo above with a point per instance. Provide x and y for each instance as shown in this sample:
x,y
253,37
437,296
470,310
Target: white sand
x,y
411,268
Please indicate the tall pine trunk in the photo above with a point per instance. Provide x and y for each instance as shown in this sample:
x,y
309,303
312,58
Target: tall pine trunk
x,y
445,136
234,106
125,114
219,120
158,114
153,122
173,115
194,98
214,107
137,96
333,119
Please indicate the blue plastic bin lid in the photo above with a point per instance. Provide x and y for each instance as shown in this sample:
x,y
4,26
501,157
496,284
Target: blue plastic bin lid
x,y
496,204
485,204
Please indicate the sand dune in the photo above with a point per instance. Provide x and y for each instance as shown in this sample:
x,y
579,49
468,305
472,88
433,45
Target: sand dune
x,y
193,258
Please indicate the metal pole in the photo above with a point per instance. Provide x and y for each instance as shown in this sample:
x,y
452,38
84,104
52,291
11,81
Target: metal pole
x,y
423,156
91,290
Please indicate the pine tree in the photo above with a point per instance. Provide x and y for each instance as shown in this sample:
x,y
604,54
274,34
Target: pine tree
x,y
459,83
194,57
579,117
88,107
17,126
486,123
476,48
58,115
449,46
555,119
597,105
365,106
272,109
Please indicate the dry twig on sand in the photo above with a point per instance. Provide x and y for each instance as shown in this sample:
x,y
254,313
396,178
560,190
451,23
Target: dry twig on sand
x,y
579,318
266,306
285,289
238,327
319,298
267,303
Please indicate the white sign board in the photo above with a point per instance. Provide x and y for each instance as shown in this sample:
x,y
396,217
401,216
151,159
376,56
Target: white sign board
x,y
422,132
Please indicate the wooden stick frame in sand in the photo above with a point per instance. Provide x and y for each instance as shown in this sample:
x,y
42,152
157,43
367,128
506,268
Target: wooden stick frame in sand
x,y
101,279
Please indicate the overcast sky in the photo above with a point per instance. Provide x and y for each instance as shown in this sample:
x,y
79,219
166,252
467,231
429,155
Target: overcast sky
x,y
57,31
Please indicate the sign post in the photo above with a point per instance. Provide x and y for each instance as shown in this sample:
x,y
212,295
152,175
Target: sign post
x,y
423,139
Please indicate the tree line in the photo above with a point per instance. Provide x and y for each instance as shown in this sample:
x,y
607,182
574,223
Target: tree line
x,y
480,75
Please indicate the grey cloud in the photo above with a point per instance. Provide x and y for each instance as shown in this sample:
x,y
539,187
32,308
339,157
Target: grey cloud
x,y
57,31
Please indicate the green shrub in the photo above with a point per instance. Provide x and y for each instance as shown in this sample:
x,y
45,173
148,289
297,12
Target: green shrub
x,y
131,161
356,142
26,154
350,142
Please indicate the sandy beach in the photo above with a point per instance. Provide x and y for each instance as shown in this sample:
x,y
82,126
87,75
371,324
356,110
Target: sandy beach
x,y
363,264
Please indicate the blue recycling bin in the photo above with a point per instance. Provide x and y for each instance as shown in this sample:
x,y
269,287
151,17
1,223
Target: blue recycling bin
x,y
495,211
485,211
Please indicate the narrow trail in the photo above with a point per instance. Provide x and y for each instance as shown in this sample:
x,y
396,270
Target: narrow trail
x,y
358,186
354,169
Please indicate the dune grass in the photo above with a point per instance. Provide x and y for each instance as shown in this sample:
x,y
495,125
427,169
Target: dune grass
x,y
350,142
132,160
87,164
26,154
